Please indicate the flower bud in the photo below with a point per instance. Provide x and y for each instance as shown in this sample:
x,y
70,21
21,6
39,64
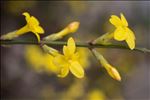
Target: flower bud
x,y
50,50
71,28
104,39
113,72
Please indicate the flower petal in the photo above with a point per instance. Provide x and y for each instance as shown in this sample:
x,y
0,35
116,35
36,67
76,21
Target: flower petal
x,y
33,21
76,69
49,65
27,15
39,29
76,56
59,60
66,51
123,19
71,45
63,72
120,34
115,20
62,65
130,39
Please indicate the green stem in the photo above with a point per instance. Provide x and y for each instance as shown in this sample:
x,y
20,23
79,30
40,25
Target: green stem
x,y
78,44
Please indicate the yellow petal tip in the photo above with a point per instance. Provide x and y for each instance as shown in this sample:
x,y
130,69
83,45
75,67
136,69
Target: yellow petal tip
x,y
26,14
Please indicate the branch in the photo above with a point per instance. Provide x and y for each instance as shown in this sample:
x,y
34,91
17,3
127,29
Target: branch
x,y
78,44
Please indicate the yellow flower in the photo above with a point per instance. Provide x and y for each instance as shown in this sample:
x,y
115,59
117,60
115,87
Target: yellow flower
x,y
122,31
71,28
31,26
69,61
111,70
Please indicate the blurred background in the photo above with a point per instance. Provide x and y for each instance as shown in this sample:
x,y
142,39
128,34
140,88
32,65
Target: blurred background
x,y
22,79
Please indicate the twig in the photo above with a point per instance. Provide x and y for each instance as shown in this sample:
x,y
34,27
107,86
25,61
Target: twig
x,y
78,44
